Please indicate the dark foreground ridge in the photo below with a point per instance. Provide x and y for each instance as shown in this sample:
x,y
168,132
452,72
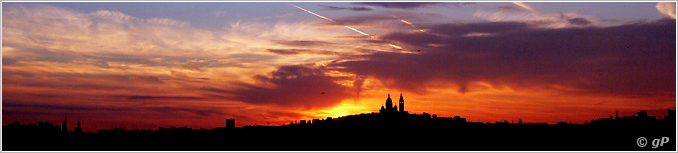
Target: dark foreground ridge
x,y
391,129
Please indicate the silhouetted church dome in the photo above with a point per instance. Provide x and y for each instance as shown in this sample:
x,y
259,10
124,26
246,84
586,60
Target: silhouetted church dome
x,y
389,102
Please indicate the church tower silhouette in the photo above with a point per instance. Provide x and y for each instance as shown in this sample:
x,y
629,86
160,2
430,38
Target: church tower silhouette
x,y
401,103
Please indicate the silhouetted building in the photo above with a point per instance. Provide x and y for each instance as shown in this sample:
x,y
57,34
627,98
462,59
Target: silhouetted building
x,y
64,128
230,123
390,108
78,129
671,116
401,103
642,113
458,119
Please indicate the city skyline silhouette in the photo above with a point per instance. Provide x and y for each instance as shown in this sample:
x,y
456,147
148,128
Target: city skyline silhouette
x,y
390,123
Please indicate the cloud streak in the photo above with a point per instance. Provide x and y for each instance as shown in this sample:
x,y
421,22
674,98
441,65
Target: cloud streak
x,y
399,5
346,8
525,6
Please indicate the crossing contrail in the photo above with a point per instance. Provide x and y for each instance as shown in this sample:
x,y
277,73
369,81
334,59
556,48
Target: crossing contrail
x,y
328,19
312,13
356,30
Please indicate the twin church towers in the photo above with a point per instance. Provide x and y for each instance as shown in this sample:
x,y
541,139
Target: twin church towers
x,y
390,108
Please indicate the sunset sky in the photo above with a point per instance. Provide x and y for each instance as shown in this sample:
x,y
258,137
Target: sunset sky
x,y
195,64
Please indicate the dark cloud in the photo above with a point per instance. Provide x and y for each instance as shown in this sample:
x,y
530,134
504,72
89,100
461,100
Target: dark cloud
x,y
34,105
384,19
400,5
8,61
361,19
579,21
174,110
164,97
590,60
193,68
298,86
346,8
459,4
510,9
302,43
301,51
149,79
286,51
358,84
468,28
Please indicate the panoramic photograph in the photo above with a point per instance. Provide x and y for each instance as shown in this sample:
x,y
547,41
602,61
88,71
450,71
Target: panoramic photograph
x,y
338,76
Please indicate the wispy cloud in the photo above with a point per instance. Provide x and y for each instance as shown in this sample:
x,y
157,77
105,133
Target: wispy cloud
x,y
525,6
535,18
668,8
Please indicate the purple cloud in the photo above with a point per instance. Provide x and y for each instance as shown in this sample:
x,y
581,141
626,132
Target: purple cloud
x,y
299,86
635,60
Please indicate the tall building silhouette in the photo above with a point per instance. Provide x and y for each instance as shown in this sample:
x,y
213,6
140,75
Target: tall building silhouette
x,y
64,128
401,103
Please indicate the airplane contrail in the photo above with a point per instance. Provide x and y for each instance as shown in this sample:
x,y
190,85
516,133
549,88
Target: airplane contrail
x,y
328,19
356,30
312,12
408,23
